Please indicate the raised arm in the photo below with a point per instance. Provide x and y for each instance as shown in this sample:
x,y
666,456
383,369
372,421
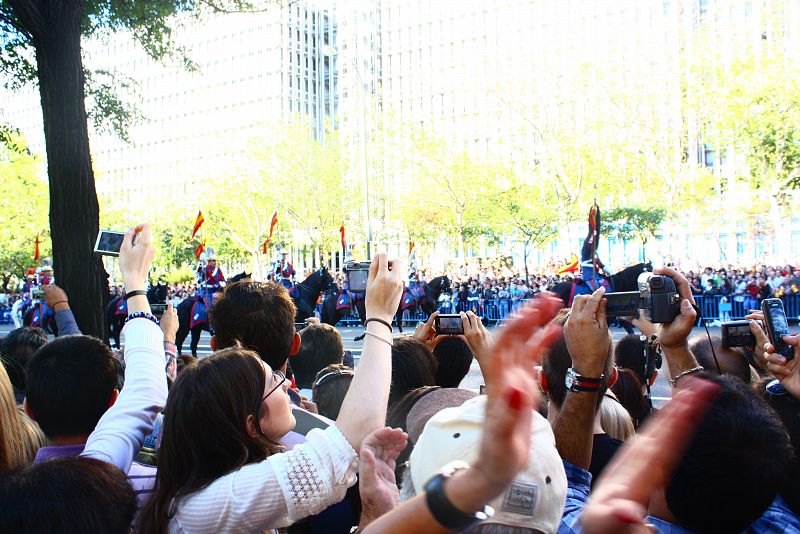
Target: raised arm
x,y
56,299
120,433
587,338
674,336
364,406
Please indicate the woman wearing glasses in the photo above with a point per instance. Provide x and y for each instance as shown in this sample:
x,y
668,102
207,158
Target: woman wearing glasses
x,y
221,467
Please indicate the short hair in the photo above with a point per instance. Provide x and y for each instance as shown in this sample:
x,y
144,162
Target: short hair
x,y
413,366
329,393
17,348
453,361
629,354
558,360
320,346
732,360
70,383
71,494
257,315
734,465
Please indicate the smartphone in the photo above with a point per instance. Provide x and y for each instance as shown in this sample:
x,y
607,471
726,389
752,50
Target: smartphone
x,y
737,334
449,324
37,294
158,310
357,275
299,326
777,326
623,304
109,242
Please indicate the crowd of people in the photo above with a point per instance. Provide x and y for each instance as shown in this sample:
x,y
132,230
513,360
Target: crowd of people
x,y
277,431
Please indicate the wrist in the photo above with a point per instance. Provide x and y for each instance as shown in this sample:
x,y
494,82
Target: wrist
x,y
589,370
169,338
61,306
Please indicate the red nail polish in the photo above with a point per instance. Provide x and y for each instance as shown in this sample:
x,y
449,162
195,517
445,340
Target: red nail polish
x,y
514,399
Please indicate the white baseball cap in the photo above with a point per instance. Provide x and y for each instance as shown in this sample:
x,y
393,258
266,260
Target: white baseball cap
x,y
536,497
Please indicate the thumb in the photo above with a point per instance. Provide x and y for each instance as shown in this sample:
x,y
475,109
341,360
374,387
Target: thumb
x,y
687,310
758,332
367,465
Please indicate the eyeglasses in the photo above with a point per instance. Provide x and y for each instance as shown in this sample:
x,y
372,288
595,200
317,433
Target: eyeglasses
x,y
278,378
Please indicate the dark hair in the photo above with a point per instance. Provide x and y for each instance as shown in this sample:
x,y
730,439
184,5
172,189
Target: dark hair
x,y
454,358
413,366
204,433
629,354
330,393
257,315
734,465
320,346
628,390
16,350
70,383
72,494
731,359
397,417
558,360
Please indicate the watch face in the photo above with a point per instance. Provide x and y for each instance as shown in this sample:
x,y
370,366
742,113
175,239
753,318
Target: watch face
x,y
569,380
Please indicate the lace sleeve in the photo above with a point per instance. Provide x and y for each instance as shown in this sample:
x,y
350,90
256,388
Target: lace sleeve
x,y
316,474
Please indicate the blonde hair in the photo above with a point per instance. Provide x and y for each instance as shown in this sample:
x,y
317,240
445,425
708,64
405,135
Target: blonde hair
x,y
13,451
615,419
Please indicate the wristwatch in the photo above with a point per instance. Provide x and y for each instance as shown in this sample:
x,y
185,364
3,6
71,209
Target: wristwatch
x,y
576,382
445,513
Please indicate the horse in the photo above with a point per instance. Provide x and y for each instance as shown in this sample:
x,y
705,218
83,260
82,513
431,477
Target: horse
x,y
117,311
37,314
625,280
306,293
425,295
197,323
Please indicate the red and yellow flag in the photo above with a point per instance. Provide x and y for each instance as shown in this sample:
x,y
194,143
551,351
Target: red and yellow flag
x,y
36,249
199,250
198,222
341,233
570,267
410,247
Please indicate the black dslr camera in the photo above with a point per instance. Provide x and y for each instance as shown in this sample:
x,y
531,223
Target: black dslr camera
x,y
659,301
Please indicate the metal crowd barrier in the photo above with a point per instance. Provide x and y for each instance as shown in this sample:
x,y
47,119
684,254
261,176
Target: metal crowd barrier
x,y
495,311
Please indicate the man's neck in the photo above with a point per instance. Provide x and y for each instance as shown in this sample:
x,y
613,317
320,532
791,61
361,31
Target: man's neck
x,y
62,441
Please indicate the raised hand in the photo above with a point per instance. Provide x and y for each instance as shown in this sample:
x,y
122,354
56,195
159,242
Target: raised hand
x,y
55,297
674,334
786,371
477,337
384,288
169,323
135,256
377,484
586,334
618,503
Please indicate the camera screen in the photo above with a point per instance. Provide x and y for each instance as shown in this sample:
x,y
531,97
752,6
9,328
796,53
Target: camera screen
x,y
109,243
38,294
450,325
739,330
357,280
622,304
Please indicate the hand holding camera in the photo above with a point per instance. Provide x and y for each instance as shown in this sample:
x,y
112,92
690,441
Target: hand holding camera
x,y
586,334
786,370
384,288
672,333
55,297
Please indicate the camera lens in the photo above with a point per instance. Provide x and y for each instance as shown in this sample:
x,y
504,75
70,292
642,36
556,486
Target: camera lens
x,y
656,282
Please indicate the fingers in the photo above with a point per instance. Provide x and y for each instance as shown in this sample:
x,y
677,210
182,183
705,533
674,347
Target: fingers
x,y
594,300
169,305
681,283
758,332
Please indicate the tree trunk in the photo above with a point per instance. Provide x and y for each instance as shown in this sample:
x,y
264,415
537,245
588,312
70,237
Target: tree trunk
x,y
74,211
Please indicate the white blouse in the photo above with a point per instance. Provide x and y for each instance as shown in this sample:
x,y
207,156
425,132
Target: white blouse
x,y
273,493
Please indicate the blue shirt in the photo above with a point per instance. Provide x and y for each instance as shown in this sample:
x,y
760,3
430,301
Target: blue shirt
x,y
778,518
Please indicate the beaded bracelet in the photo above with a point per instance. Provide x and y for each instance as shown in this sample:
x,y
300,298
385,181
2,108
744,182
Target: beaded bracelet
x,y
143,315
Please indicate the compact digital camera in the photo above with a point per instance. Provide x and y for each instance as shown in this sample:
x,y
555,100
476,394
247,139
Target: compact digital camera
x,y
357,274
659,301
737,334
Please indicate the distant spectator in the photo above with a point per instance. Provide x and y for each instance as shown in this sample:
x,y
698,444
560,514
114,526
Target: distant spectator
x,y
329,389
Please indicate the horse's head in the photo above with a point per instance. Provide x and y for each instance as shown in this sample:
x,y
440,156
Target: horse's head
x,y
326,279
241,276
627,279
441,284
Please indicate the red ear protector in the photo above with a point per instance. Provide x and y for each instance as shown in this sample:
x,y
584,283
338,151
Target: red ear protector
x,y
614,377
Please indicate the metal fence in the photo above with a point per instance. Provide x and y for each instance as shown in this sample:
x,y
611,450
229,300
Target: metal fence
x,y
496,310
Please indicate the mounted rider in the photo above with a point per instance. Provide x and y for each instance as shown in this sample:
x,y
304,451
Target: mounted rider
x,y
284,271
210,275
591,267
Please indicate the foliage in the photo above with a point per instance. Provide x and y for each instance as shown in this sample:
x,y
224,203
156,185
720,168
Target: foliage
x,y
631,222
23,209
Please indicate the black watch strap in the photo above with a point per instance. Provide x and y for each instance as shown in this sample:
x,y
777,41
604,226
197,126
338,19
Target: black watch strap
x,y
592,388
135,293
445,513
